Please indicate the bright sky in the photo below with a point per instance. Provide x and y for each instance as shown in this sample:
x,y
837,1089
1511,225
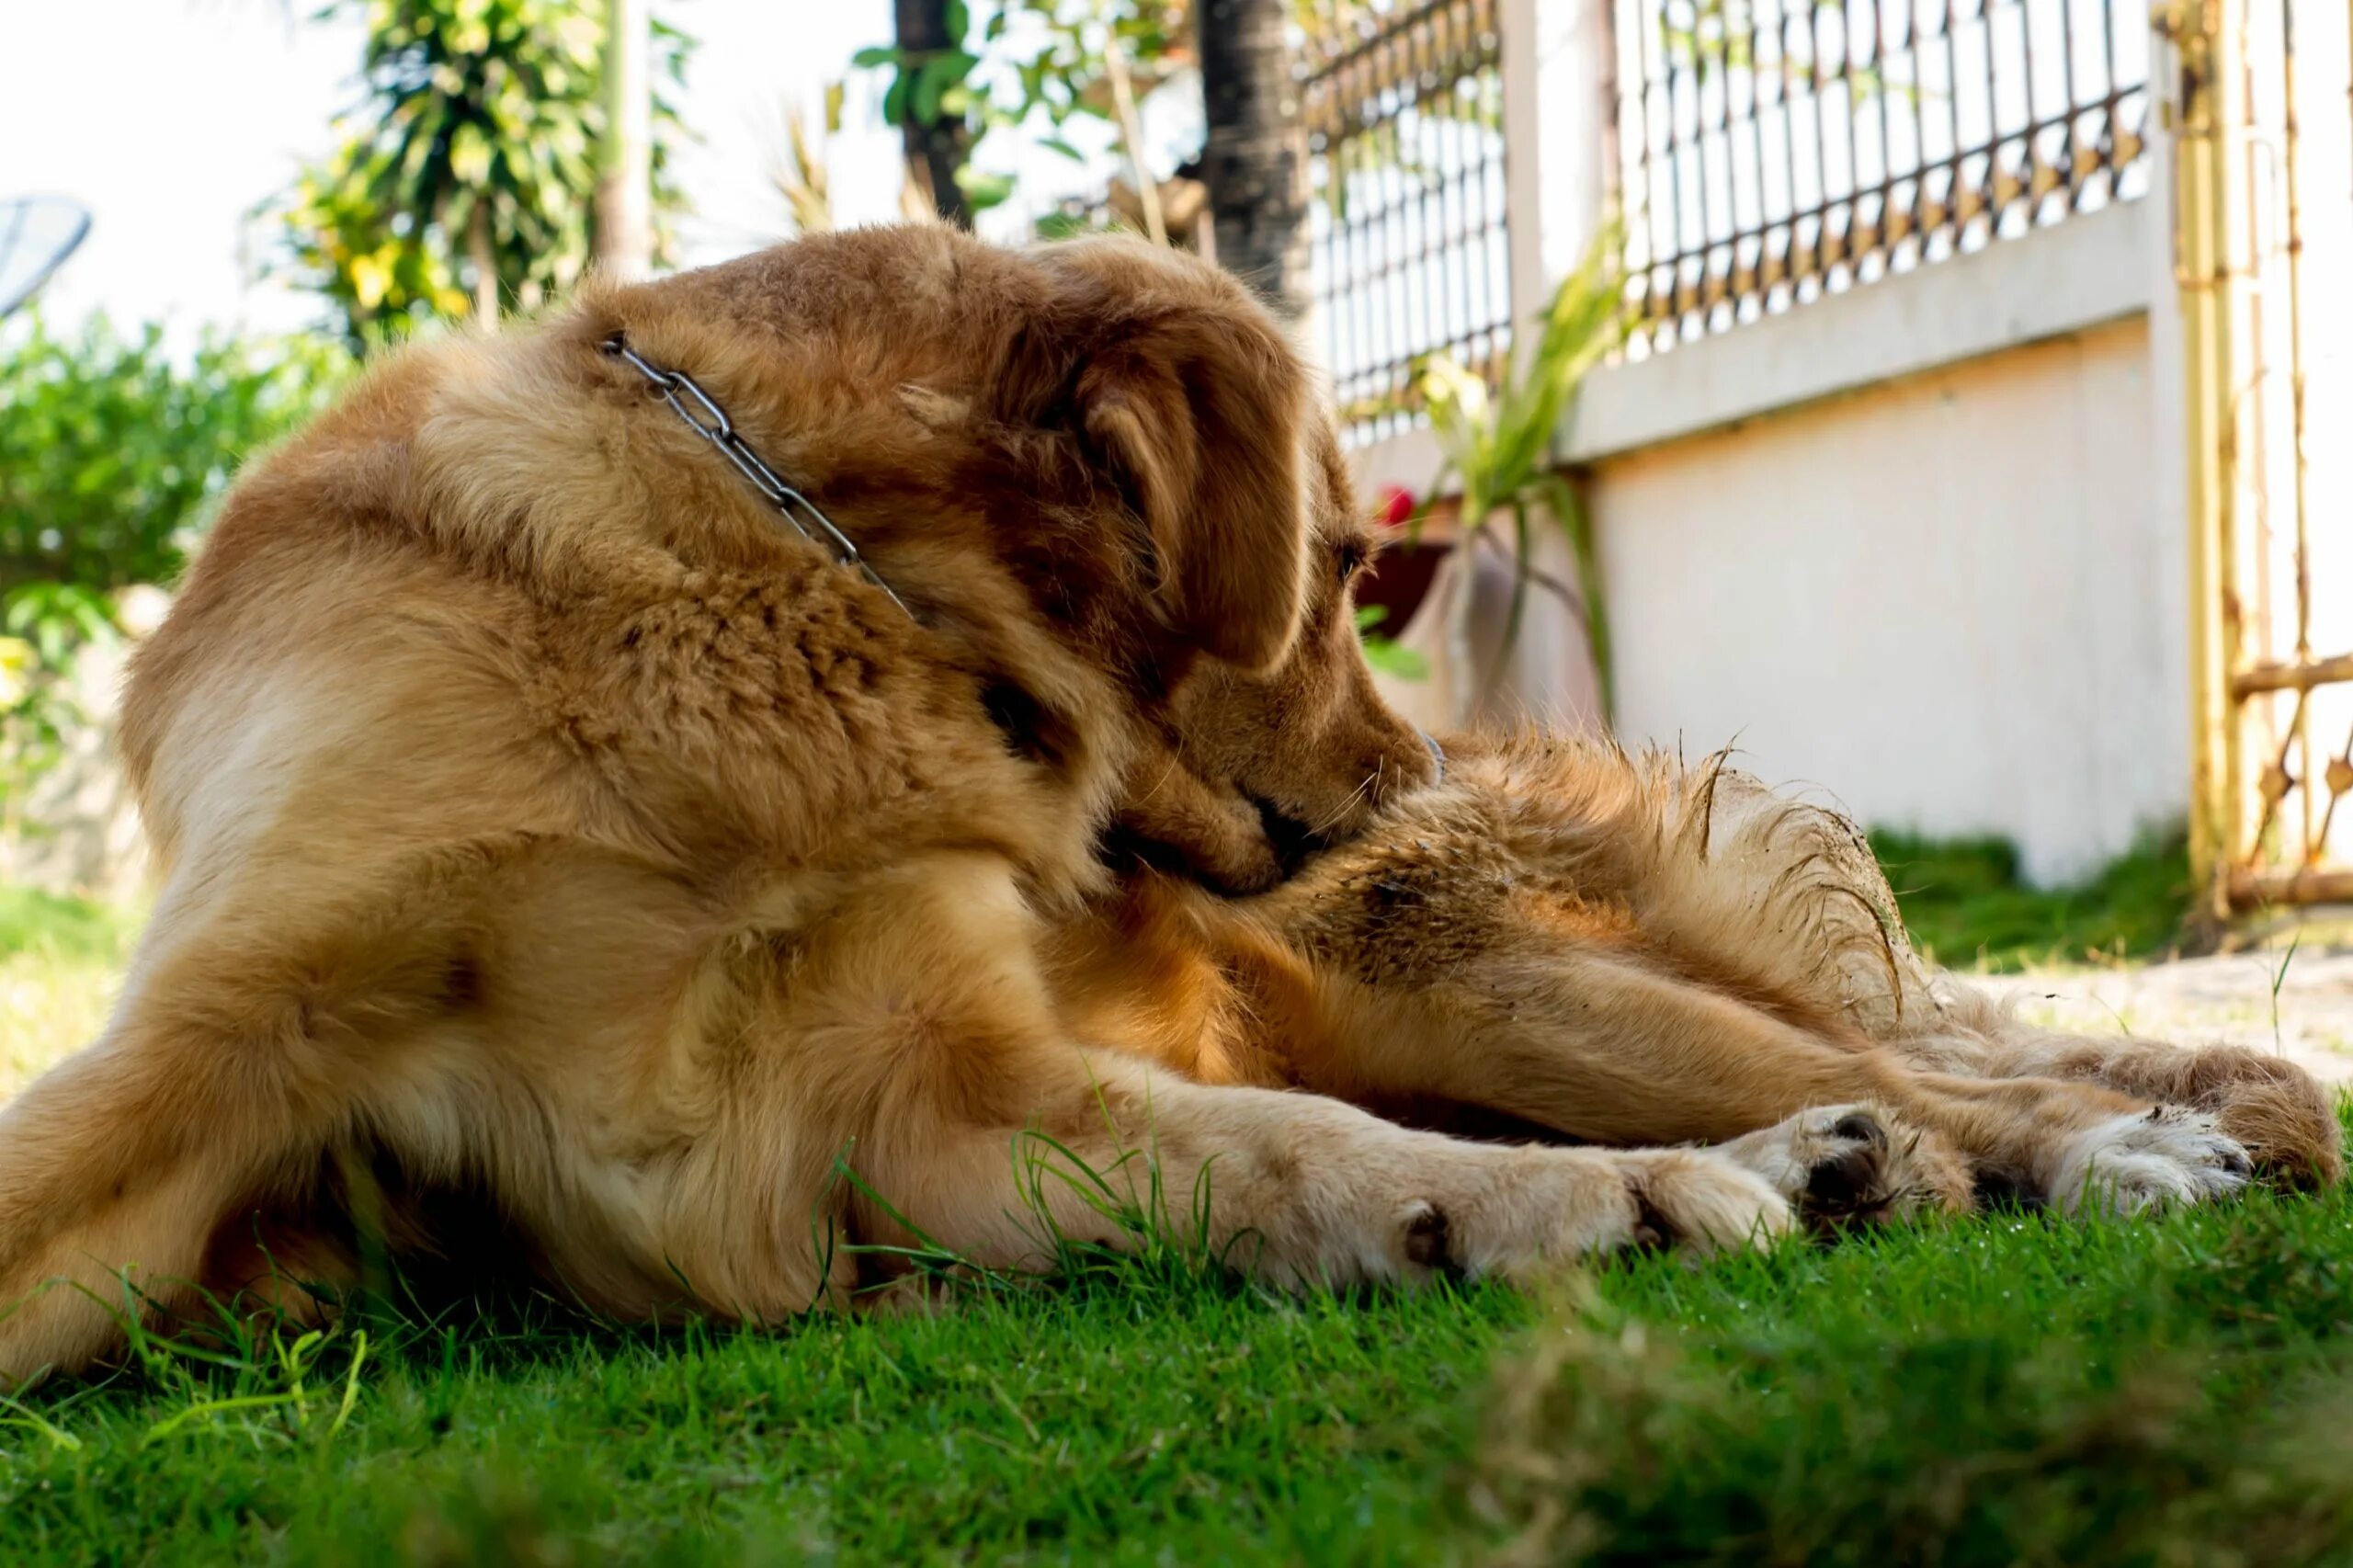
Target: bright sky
x,y
173,120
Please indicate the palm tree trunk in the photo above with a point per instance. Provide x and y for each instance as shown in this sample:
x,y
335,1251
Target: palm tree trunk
x,y
624,240
1254,160
934,152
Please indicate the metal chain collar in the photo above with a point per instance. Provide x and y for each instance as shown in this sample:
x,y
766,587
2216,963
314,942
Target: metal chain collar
x,y
710,421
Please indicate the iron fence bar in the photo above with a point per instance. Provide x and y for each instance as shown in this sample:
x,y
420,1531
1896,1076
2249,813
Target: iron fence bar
x,y
1756,147
1893,169
1950,218
1821,211
1724,226
1405,157
1989,195
2065,160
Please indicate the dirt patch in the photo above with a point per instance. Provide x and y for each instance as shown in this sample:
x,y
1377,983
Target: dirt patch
x,y
2205,1001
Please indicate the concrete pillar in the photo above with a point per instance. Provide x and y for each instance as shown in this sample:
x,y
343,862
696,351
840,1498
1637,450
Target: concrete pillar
x,y
1559,113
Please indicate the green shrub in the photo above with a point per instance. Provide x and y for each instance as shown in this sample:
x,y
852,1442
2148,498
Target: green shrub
x,y
113,451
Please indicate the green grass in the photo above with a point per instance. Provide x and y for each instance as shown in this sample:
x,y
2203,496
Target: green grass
x,y
1995,1391
58,959
36,922
1964,903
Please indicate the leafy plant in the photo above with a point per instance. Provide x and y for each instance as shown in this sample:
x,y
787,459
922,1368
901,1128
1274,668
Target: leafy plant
x,y
112,448
1384,652
112,454
467,175
1496,442
1054,60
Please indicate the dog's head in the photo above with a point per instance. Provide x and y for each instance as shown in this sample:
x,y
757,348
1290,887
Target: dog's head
x,y
1199,406
1254,767
1100,450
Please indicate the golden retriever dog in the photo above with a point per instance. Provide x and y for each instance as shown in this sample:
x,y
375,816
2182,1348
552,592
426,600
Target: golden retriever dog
x,y
548,804
553,812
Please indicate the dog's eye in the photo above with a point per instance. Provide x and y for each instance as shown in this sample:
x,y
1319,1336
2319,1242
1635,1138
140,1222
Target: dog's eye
x,y
1353,558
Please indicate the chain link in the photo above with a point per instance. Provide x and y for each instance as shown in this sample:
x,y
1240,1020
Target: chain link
x,y
707,419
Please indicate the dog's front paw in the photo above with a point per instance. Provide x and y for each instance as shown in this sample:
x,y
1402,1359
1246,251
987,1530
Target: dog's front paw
x,y
2141,1161
1534,1209
1841,1165
1697,1198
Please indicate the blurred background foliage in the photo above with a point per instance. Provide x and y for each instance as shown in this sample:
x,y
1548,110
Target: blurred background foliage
x,y
466,179
112,455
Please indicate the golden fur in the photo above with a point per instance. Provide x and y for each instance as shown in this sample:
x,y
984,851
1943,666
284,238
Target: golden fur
x,y
538,814
1567,939
540,821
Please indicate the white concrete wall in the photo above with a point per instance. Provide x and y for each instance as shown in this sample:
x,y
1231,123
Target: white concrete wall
x,y
1954,602
1920,544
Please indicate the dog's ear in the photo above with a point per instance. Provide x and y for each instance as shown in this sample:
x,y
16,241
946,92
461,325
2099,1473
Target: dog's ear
x,y
1198,415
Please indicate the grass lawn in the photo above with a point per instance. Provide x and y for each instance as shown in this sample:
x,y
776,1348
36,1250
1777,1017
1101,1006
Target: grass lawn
x,y
2001,1390
1965,906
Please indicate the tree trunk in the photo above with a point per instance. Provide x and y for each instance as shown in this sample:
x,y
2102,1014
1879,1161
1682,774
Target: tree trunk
x,y
624,238
934,152
486,263
1254,160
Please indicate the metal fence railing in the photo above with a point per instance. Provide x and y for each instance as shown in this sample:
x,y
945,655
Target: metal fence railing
x,y
1772,151
1408,234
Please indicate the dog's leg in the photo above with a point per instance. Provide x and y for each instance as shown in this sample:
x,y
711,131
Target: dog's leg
x,y
122,1162
1296,1189
918,1037
248,1036
1623,1052
2278,1111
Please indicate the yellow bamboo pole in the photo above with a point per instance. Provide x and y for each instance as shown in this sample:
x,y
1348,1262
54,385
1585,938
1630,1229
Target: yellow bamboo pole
x,y
2198,30
2208,236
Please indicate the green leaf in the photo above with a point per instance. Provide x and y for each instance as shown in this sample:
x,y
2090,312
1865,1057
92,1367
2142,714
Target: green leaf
x,y
1393,658
1386,653
470,154
1498,441
929,86
875,55
981,189
937,74
1569,512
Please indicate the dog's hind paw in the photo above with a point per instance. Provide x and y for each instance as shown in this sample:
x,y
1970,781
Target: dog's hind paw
x,y
1840,1165
2140,1161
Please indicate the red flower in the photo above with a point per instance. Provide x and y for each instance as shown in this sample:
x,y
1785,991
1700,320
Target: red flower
x,y
1396,506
